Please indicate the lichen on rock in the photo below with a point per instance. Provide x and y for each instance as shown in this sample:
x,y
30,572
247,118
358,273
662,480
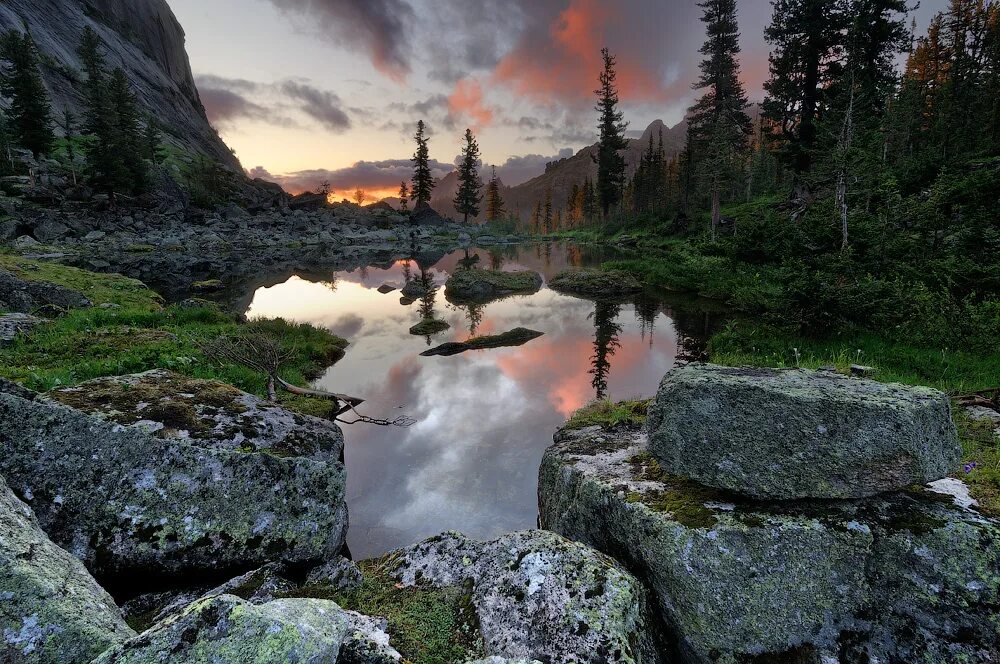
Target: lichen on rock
x,y
166,476
51,609
744,578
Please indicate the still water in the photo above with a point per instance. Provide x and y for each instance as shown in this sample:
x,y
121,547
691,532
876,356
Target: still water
x,y
482,419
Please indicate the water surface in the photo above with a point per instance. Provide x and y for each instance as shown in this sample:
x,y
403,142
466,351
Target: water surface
x,y
483,418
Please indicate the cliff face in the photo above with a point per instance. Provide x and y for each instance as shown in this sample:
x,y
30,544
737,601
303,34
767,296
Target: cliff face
x,y
144,37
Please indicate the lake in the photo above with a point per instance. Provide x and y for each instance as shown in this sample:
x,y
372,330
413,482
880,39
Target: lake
x,y
482,419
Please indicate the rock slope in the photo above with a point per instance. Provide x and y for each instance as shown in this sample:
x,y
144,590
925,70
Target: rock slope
x,y
143,37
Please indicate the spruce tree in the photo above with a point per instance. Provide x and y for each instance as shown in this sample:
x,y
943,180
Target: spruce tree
x,y
423,181
469,183
610,160
127,136
151,139
494,200
547,214
6,158
719,125
807,40
30,114
404,195
104,166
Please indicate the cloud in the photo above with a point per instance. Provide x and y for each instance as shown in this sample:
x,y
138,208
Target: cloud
x,y
322,106
229,99
519,169
466,101
224,106
378,26
368,175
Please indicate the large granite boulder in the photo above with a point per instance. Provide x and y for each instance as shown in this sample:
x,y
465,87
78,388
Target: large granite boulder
x,y
902,577
157,475
51,609
487,285
225,628
785,434
539,596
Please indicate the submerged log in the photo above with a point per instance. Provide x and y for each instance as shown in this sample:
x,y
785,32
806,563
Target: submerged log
x,y
516,337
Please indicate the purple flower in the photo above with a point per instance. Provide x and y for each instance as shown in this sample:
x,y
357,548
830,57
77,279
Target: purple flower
x,y
969,467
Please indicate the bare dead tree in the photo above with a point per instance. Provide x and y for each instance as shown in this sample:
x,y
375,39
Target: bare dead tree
x,y
263,353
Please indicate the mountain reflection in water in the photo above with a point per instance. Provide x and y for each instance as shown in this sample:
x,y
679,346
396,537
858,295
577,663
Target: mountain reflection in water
x,y
483,418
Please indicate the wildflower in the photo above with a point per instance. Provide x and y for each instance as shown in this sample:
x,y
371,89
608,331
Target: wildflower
x,y
969,467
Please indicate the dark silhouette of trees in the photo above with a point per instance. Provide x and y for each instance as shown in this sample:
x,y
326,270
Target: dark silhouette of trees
x,y
30,113
470,185
404,195
610,161
495,209
423,181
606,343
719,125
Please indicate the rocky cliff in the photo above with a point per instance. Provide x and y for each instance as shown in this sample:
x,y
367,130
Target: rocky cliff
x,y
144,37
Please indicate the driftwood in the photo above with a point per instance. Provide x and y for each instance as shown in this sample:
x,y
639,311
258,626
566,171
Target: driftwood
x,y
266,355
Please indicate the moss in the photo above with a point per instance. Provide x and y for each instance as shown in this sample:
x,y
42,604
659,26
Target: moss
x,y
682,499
426,625
610,415
429,326
981,461
99,288
646,468
596,283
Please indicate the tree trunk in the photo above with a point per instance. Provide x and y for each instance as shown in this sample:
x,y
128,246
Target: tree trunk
x,y
846,138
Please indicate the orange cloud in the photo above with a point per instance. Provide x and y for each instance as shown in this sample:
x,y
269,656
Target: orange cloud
x,y
467,101
567,64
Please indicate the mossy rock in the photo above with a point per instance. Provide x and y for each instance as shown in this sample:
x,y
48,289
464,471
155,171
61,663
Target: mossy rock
x,y
594,283
901,572
157,475
207,286
51,609
486,285
428,327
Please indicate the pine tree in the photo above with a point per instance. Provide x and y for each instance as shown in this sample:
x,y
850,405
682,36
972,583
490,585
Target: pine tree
x,y
610,161
30,114
423,181
469,183
807,37
572,205
404,195
547,218
104,166
719,125
6,158
127,136
494,201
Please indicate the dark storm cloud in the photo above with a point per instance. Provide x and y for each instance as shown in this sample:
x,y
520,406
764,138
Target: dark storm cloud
x,y
321,105
368,175
228,99
379,26
223,106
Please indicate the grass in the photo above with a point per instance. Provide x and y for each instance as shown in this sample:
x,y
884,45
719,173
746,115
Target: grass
x,y
609,414
142,334
426,625
981,462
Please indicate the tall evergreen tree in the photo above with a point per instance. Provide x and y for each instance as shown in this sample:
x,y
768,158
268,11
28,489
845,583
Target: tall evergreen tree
x,y
127,135
719,125
610,160
494,200
547,218
470,185
423,181
6,157
30,114
151,141
104,165
404,195
807,37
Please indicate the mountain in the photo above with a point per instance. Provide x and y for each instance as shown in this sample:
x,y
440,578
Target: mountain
x,y
560,176
142,36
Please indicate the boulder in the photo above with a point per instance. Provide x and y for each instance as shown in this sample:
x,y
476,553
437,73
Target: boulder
x,y
539,596
157,475
894,577
593,283
225,628
49,230
26,296
414,289
425,215
785,434
429,326
486,285
14,324
51,609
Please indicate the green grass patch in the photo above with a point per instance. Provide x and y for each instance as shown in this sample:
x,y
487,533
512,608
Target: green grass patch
x,y
981,461
609,414
99,288
426,625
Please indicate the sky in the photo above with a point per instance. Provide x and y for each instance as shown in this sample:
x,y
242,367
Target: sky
x,y
314,90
